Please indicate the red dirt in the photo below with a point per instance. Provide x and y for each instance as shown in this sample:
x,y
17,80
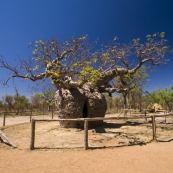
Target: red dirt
x,y
144,157
151,158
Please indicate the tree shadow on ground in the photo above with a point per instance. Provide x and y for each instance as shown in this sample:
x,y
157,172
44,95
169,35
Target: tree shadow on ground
x,y
164,140
120,146
101,129
163,122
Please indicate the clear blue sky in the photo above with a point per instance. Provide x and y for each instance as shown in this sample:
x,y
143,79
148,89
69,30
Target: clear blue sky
x,y
24,21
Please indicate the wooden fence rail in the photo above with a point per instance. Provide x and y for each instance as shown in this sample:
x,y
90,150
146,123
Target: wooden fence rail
x,y
5,113
86,120
30,116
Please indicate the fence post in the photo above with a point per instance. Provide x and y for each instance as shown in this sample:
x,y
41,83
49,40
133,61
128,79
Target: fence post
x,y
52,114
125,112
31,116
145,112
32,134
4,119
154,127
86,134
165,116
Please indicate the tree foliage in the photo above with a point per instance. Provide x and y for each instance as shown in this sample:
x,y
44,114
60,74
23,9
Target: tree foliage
x,y
9,100
36,100
166,96
45,92
20,103
16,102
161,96
131,86
74,63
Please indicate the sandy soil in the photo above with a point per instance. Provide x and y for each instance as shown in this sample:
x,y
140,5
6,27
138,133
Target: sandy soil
x,y
151,158
117,146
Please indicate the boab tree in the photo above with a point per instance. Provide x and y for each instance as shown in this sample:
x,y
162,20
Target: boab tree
x,y
81,75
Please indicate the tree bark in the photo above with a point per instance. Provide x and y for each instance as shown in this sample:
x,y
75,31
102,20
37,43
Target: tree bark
x,y
85,102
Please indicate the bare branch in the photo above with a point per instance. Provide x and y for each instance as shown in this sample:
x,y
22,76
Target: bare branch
x,y
72,63
118,90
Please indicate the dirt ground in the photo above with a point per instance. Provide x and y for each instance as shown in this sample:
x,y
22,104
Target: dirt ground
x,y
117,146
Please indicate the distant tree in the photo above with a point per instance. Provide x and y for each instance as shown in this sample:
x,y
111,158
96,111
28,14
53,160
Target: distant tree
x,y
48,96
36,100
1,105
135,98
9,100
47,93
160,96
118,103
152,97
20,103
131,85
166,97
110,102
16,103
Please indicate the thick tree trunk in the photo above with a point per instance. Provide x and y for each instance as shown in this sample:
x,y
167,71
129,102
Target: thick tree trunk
x,y
85,102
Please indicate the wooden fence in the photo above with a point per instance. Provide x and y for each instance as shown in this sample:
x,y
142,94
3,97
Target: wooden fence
x,y
86,120
4,114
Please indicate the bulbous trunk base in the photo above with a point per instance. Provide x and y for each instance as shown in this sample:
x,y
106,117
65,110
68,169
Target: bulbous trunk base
x,y
79,103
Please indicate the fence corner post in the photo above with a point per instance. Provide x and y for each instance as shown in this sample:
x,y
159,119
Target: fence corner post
x,y
32,134
86,134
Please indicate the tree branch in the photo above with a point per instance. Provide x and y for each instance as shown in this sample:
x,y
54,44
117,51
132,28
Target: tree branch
x,y
69,83
118,90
